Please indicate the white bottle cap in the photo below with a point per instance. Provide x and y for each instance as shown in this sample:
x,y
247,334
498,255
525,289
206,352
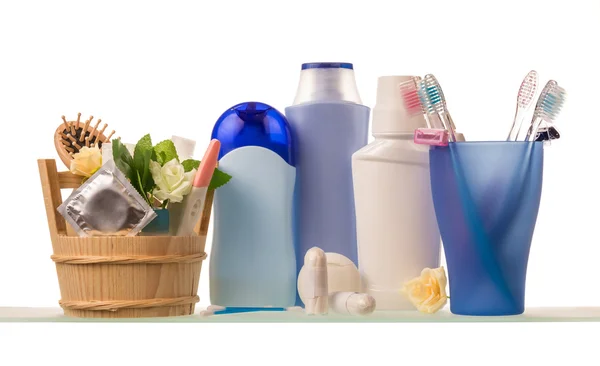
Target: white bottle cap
x,y
389,114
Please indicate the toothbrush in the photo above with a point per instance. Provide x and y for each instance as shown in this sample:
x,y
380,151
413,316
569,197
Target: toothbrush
x,y
413,104
524,98
193,203
434,102
547,107
222,310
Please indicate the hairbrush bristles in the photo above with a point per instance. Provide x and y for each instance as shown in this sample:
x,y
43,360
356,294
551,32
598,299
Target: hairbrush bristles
x,y
527,89
109,136
70,137
85,128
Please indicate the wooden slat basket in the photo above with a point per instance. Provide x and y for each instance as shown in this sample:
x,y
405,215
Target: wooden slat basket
x,y
121,277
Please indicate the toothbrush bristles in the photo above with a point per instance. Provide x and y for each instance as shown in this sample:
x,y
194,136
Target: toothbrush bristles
x,y
434,94
550,101
527,89
411,98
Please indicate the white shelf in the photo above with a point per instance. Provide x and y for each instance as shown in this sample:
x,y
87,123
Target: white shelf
x,y
573,314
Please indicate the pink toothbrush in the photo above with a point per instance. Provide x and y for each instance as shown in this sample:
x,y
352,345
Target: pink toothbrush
x,y
194,201
524,99
413,104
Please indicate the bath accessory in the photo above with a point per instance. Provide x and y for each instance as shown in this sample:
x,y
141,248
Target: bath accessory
x,y
71,136
414,101
525,96
252,262
547,132
329,123
222,310
486,197
547,108
342,276
116,276
106,205
396,225
430,136
315,288
352,303
434,103
193,203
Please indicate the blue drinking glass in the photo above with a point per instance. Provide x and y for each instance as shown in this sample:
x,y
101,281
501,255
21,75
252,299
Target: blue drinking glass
x,y
486,197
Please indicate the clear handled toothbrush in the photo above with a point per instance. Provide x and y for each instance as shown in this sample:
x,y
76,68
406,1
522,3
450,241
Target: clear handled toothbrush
x,y
435,103
413,100
435,134
524,99
547,108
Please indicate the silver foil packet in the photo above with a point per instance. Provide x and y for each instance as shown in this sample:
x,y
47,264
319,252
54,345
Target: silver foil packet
x,y
107,205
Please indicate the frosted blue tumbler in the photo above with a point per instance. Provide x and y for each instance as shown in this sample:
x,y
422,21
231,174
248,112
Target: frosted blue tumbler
x,y
486,197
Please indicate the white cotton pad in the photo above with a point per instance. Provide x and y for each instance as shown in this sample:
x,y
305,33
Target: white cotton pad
x,y
342,276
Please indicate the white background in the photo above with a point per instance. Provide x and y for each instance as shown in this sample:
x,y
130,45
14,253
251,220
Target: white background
x,y
174,67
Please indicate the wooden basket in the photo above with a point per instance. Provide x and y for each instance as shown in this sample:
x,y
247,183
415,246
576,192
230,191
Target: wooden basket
x,y
121,277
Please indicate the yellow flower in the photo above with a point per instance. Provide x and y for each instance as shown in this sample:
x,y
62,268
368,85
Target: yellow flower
x,y
87,161
428,291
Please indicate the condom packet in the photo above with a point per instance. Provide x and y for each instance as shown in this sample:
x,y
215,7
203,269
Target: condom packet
x,y
107,205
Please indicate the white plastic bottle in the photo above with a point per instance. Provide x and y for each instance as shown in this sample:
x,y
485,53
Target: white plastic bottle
x,y
397,229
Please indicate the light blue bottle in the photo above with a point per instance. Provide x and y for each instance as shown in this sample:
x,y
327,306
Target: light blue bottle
x,y
329,124
252,260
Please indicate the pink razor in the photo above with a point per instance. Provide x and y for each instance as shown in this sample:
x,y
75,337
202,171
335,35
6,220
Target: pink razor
x,y
431,136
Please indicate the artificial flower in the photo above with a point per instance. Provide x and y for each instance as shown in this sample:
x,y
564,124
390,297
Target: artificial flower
x,y
172,182
428,291
86,162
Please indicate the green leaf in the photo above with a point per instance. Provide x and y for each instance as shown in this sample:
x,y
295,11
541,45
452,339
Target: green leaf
x,y
165,152
219,179
142,155
142,148
161,157
190,164
123,159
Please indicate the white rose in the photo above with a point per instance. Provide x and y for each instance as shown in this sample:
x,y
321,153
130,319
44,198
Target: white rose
x,y
86,162
172,182
428,291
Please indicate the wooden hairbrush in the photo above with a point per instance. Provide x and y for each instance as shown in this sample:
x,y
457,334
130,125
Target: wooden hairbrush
x,y
71,136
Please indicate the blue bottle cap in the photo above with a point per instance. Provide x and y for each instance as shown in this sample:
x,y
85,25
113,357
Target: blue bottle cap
x,y
254,124
327,65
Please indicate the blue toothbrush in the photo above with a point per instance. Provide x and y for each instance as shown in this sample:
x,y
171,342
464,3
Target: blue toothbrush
x,y
548,107
434,103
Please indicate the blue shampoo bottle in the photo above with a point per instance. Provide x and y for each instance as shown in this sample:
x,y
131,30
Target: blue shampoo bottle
x,y
329,123
252,261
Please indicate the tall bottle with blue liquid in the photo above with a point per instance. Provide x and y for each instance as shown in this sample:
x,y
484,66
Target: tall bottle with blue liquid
x,y
252,260
329,123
